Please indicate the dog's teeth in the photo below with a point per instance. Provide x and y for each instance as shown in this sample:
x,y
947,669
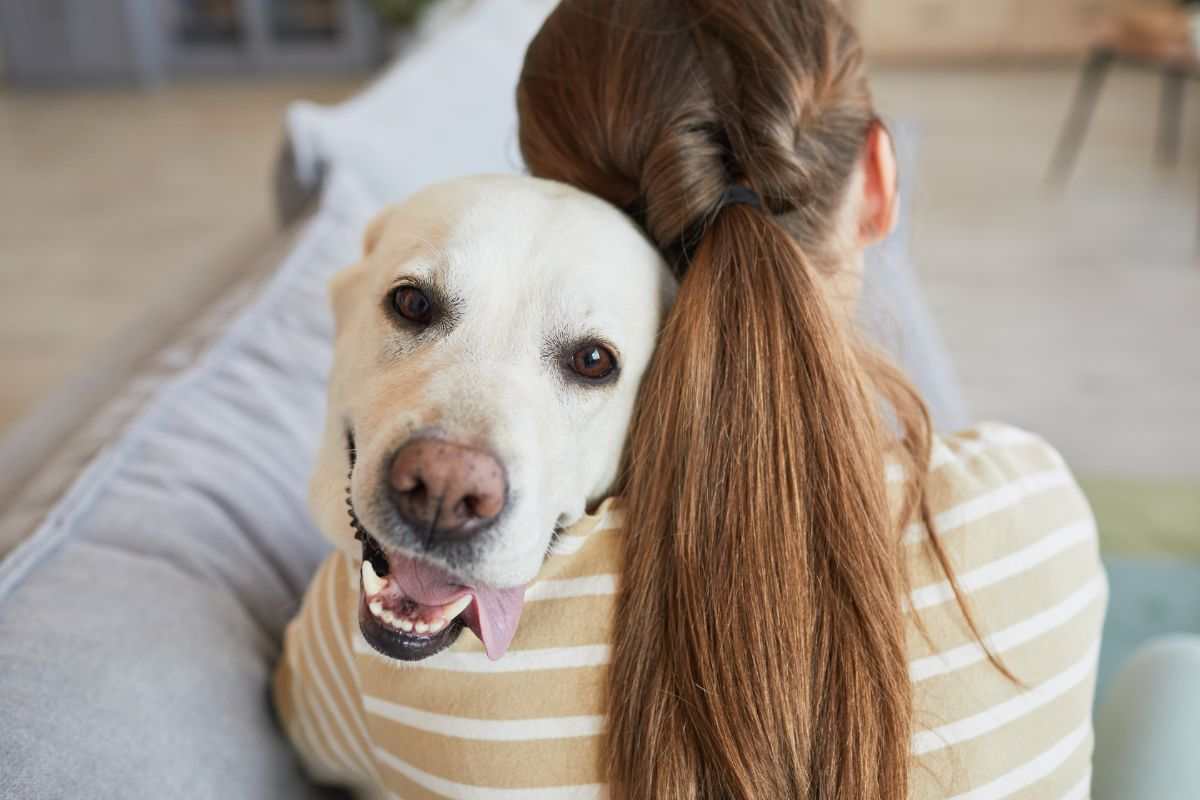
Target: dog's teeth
x,y
460,605
372,584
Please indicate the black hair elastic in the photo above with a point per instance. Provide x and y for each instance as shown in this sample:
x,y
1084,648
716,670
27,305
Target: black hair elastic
x,y
679,253
740,196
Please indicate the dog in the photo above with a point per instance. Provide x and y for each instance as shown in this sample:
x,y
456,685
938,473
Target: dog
x,y
488,351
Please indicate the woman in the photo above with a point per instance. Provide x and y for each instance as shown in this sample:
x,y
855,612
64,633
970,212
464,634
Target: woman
x,y
788,626
791,596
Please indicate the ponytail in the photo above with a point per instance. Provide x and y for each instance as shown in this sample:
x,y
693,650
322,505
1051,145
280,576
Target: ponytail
x,y
758,626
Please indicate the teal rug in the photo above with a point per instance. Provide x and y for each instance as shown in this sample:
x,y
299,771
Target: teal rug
x,y
1148,598
1150,535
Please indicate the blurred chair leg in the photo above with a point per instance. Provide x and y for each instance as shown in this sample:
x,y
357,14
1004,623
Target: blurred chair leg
x,y
1170,122
1090,83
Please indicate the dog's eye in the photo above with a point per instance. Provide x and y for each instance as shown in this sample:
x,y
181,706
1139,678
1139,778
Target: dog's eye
x,y
594,362
412,304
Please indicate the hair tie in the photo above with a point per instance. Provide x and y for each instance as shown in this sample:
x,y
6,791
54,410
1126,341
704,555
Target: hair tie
x,y
679,252
740,196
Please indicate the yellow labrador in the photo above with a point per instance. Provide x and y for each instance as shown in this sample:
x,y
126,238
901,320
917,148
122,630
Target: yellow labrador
x,y
489,346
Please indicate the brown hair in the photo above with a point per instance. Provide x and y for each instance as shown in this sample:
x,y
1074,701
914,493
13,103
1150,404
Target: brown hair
x,y
760,649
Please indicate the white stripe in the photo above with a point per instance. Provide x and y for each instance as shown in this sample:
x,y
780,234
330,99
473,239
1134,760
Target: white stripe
x,y
1001,714
490,730
462,791
306,736
360,751
923,669
940,454
353,565
588,586
362,743
1000,499
513,661
1033,770
568,544
1081,790
989,436
1013,564
328,764
322,710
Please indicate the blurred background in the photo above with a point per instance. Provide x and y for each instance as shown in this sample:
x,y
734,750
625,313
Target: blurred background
x,y
1053,187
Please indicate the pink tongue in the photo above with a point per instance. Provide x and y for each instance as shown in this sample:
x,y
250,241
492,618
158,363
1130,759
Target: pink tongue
x,y
493,616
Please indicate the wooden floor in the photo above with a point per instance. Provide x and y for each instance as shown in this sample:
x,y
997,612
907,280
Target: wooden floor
x,y
109,198
1075,315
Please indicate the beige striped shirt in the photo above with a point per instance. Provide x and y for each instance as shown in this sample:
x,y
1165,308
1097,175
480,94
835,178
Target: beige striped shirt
x,y
528,726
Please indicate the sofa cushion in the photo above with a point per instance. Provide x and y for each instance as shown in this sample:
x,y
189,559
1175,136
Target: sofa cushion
x,y
446,106
140,622
43,454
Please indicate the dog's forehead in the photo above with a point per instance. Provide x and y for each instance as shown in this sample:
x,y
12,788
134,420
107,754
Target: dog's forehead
x,y
547,236
528,232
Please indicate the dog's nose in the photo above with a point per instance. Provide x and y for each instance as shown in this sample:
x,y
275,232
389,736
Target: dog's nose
x,y
445,488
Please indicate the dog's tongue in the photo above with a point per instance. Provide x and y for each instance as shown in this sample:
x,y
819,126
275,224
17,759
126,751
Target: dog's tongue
x,y
493,615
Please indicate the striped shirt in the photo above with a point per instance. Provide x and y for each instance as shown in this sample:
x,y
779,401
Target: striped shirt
x,y
1018,531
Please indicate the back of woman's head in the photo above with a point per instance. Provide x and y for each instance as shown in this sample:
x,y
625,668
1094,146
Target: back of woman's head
x,y
758,640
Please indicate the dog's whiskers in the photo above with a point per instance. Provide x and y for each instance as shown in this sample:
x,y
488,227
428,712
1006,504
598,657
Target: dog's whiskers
x,y
554,537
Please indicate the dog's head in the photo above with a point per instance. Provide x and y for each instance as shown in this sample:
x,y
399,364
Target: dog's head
x,y
489,347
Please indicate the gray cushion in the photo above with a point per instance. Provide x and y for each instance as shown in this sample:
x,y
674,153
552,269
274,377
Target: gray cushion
x,y
140,624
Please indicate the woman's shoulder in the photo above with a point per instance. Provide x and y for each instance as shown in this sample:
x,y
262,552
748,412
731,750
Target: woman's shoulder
x,y
990,443
999,466
1011,520
1001,490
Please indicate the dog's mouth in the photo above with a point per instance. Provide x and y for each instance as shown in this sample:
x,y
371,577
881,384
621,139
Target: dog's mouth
x,y
395,624
410,609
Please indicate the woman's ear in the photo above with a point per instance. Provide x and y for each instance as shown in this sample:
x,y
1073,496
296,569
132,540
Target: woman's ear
x,y
878,213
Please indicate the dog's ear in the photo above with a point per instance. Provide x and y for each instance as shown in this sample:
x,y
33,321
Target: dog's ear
x,y
342,286
343,291
375,232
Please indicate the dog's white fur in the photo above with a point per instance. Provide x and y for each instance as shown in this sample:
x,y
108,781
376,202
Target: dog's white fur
x,y
528,267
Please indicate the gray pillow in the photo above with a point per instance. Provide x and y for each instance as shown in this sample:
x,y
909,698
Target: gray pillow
x,y
140,624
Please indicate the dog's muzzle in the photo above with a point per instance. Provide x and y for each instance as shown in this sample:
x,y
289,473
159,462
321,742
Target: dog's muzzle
x,y
409,608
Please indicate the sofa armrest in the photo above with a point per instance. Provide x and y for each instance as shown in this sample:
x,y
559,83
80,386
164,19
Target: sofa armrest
x,y
43,453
